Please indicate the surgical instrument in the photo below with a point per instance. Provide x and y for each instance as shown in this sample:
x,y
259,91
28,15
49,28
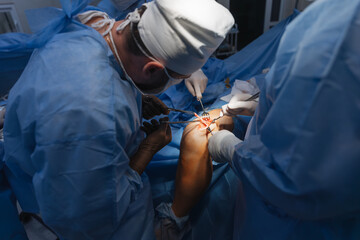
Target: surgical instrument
x,y
182,111
205,113
253,97
176,122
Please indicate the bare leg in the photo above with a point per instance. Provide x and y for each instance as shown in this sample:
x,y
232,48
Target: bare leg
x,y
194,169
193,173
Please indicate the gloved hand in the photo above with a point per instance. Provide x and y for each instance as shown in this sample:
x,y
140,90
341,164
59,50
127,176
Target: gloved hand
x,y
222,123
152,106
238,105
222,146
2,116
196,83
158,135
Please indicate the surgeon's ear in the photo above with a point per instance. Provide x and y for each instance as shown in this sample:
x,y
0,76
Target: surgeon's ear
x,y
153,69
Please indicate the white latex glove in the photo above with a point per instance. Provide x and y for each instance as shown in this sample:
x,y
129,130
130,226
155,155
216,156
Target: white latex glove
x,y
196,83
238,105
222,146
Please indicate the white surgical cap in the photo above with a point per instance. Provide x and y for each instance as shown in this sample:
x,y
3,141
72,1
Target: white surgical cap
x,y
182,34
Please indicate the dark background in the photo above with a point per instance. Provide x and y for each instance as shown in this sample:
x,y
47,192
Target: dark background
x,y
249,16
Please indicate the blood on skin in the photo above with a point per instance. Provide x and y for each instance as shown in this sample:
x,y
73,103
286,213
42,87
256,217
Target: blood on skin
x,y
204,121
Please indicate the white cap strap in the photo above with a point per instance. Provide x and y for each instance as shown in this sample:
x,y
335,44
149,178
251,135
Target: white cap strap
x,y
133,17
88,15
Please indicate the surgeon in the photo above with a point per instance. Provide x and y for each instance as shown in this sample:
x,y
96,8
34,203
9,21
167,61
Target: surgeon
x,y
74,150
300,164
196,83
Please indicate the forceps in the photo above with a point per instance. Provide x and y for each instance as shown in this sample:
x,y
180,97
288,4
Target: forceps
x,y
182,111
253,97
175,122
204,114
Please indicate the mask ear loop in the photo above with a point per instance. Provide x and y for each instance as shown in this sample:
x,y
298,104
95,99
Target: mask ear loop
x,y
121,64
87,16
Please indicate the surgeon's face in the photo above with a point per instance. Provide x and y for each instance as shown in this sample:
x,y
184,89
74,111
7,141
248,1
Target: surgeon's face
x,y
153,85
160,81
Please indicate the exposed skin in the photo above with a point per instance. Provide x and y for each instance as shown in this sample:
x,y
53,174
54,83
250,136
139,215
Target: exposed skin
x,y
194,171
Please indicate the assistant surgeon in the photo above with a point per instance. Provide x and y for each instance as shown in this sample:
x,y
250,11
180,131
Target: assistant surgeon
x,y
300,161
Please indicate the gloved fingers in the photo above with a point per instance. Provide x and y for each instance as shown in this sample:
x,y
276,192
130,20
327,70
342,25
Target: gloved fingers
x,y
146,110
151,127
147,114
204,81
160,106
234,111
2,116
153,106
155,124
190,87
165,127
224,110
168,132
203,85
227,112
222,146
240,97
240,104
197,91
144,130
147,128
164,119
196,83
238,108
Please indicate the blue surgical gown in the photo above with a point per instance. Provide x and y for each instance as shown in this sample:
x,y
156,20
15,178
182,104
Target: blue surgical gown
x,y
300,166
72,123
10,225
